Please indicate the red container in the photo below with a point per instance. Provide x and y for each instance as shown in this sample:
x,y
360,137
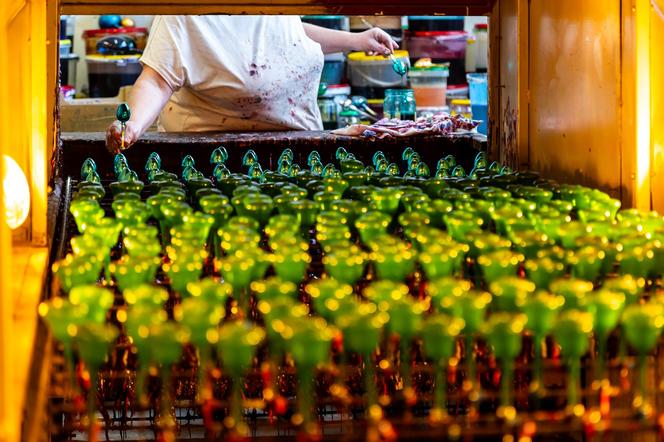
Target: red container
x,y
437,45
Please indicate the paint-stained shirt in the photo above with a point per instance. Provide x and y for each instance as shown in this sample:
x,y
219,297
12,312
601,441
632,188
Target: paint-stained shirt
x,y
236,73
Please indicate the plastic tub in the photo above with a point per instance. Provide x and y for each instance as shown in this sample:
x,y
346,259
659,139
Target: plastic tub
x,y
429,85
65,47
91,36
333,69
478,88
461,106
439,45
479,98
375,70
107,74
455,91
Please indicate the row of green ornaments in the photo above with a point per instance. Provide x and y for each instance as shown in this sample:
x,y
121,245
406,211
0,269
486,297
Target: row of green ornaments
x,y
525,218
385,314
349,254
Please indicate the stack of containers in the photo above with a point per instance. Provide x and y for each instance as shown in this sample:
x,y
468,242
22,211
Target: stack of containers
x,y
441,38
68,59
429,84
108,73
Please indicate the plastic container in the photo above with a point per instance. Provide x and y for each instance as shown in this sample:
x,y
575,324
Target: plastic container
x,y
429,85
400,104
91,36
370,75
335,94
328,112
479,98
478,88
461,106
107,74
375,70
482,51
418,23
333,69
455,91
65,47
471,54
438,45
68,69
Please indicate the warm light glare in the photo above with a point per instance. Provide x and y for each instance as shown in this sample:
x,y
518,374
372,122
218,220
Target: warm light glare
x,y
643,105
16,193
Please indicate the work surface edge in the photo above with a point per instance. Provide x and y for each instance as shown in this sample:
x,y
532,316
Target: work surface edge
x,y
76,146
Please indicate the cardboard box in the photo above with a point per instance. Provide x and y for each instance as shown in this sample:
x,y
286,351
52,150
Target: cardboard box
x,y
91,114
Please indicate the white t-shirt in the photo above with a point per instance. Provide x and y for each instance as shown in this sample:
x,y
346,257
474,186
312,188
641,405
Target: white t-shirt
x,y
236,73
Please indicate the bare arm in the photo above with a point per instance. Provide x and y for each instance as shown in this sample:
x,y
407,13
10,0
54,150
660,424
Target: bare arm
x,y
330,40
146,100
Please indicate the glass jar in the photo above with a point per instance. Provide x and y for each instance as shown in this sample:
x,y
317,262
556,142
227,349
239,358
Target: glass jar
x,y
328,112
461,106
400,104
348,117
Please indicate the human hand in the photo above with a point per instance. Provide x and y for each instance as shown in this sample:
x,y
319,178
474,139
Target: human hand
x,y
114,136
375,41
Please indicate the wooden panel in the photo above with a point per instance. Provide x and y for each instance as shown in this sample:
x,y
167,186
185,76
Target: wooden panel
x,y
575,91
509,82
391,7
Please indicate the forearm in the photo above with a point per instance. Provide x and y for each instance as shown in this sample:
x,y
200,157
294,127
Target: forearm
x,y
147,98
331,40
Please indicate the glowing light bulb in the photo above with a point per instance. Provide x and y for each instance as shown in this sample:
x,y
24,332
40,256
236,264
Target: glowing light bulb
x,y
16,193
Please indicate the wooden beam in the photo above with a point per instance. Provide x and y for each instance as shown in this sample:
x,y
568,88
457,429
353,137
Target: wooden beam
x,y
370,7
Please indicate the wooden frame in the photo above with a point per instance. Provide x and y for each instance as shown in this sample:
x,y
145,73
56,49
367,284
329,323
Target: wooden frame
x,y
348,7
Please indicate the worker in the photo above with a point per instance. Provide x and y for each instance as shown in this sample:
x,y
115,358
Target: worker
x,y
234,73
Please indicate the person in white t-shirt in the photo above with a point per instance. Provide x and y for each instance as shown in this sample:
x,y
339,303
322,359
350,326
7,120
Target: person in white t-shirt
x,y
235,73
